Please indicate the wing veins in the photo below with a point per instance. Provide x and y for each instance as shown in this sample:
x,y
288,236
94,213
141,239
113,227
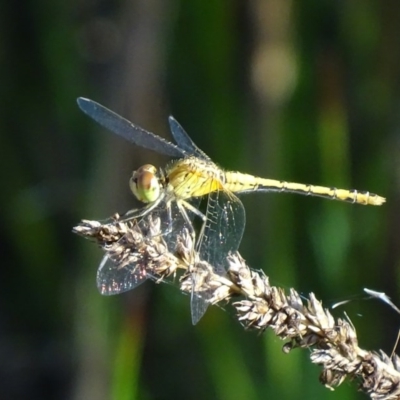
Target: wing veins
x,y
126,129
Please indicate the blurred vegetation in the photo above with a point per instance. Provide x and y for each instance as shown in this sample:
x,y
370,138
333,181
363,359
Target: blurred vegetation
x,y
305,91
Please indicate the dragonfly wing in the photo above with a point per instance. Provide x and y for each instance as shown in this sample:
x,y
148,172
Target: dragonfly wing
x,y
165,222
115,279
128,130
222,234
198,305
183,139
224,227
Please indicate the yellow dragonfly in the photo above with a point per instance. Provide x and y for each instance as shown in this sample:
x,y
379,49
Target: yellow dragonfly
x,y
190,177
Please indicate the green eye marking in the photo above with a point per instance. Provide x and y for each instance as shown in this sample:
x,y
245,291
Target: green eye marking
x,y
145,185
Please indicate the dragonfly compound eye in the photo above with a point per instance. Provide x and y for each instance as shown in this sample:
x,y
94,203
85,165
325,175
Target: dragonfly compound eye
x,y
145,184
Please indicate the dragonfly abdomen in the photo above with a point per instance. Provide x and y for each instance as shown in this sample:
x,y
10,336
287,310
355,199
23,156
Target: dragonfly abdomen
x,y
238,182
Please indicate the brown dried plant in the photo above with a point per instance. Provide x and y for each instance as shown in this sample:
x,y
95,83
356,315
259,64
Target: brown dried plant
x,y
301,323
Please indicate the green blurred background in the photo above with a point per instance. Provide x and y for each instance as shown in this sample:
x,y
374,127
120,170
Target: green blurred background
x,y
306,91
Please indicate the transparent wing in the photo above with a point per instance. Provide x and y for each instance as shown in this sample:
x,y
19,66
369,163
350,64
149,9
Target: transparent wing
x,y
183,139
114,279
226,219
198,304
128,130
222,234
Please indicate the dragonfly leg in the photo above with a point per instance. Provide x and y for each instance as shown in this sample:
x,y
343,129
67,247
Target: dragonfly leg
x,y
184,204
170,221
142,212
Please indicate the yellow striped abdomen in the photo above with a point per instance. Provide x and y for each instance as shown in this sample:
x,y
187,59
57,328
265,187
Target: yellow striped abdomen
x,y
238,182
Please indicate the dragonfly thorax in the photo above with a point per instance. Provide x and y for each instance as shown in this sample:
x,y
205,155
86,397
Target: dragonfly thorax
x,y
145,184
194,177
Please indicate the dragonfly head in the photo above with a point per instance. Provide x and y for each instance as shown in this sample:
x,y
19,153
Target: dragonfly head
x,y
145,184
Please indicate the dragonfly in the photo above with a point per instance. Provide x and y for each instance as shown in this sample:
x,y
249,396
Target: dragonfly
x,y
180,186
